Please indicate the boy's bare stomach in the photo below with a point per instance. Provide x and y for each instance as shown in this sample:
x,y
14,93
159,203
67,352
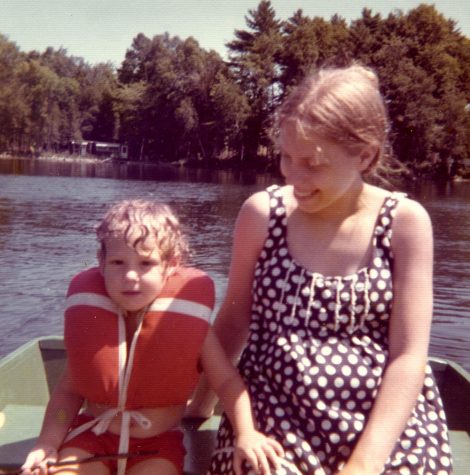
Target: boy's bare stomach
x,y
162,419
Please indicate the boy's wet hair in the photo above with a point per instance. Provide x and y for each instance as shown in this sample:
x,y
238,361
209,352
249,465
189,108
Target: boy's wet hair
x,y
145,225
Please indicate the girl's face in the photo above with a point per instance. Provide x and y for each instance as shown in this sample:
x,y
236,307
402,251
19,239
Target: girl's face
x,y
133,277
320,171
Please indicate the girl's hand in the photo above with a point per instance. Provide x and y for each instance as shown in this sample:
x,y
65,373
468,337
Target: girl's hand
x,y
37,459
259,451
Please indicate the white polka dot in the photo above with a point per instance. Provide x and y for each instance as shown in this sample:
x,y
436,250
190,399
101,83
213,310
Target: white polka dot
x,y
346,370
334,438
329,394
378,262
428,382
345,394
331,370
362,371
313,393
326,424
355,383
285,425
326,294
343,426
342,349
421,442
381,285
358,425
291,438
432,428
339,382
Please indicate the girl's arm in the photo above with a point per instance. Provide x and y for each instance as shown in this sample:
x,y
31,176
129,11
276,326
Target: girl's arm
x,y
62,408
231,324
409,335
224,379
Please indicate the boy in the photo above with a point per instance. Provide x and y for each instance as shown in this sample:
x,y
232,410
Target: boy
x,y
136,329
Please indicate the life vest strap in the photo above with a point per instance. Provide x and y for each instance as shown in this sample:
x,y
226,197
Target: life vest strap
x,y
100,424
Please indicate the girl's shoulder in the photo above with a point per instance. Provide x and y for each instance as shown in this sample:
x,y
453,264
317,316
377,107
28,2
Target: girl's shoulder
x,y
411,222
259,203
253,217
409,216
406,206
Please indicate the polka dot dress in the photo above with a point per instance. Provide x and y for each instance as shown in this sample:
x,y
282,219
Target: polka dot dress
x,y
315,358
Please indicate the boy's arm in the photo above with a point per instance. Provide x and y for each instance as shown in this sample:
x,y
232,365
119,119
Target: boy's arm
x,y
232,322
224,379
62,408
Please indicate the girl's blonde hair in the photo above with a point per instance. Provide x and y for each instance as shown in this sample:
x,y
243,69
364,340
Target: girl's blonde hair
x,y
145,225
340,104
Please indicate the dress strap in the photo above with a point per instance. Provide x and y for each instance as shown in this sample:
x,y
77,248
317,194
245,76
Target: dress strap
x,y
277,226
277,210
383,228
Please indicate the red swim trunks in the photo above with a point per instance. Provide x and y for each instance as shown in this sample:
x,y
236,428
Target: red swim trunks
x,y
169,445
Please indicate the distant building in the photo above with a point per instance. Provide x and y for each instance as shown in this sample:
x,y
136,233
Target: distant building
x,y
99,149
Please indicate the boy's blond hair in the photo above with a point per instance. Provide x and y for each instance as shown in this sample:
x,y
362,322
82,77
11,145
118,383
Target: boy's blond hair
x,y
145,225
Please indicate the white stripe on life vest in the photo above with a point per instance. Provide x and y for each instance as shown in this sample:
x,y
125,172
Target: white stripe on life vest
x,y
91,299
186,307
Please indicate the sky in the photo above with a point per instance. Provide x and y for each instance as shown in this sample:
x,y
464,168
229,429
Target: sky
x,y
102,30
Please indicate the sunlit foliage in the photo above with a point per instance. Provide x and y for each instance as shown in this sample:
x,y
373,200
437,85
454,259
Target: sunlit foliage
x,y
171,100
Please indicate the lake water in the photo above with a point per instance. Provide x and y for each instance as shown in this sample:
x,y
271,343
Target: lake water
x,y
48,211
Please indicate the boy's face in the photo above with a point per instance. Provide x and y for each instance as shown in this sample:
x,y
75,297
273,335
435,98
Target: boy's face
x,y
133,277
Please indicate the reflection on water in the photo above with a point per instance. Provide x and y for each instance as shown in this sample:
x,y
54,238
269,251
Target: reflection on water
x,y
47,215
448,206
93,168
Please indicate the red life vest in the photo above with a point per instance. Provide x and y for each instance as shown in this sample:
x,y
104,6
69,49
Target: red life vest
x,y
165,360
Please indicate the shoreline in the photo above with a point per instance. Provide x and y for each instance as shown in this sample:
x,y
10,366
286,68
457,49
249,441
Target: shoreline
x,y
67,158
87,159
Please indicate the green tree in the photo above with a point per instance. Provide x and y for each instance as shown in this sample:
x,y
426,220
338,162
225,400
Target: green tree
x,y
12,106
96,102
179,84
253,60
309,43
51,109
422,75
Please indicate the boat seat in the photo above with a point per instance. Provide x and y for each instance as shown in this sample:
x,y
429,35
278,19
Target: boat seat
x,y
18,437
459,443
199,438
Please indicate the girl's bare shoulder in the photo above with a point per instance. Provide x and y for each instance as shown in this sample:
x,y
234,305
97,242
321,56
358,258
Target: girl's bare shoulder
x,y
253,218
257,206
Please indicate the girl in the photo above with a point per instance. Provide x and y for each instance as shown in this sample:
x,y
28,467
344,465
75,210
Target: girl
x,y
331,280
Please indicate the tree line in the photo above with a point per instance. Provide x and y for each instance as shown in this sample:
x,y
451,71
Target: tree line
x,y
171,100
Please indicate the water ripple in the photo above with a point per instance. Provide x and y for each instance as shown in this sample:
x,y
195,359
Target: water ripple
x,y
46,236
